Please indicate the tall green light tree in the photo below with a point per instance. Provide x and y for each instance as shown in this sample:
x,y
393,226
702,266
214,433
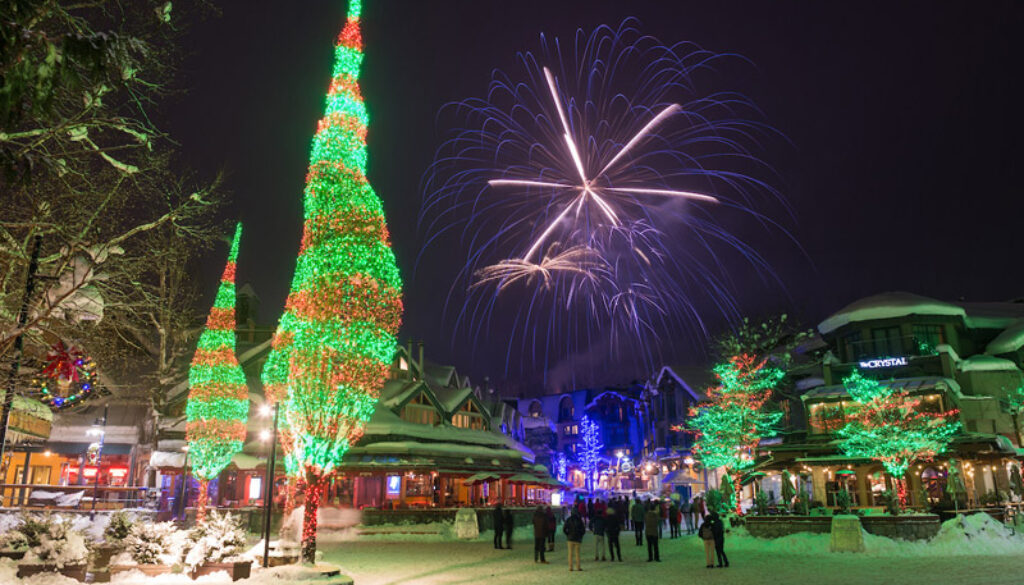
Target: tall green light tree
x,y
887,425
336,339
218,401
730,425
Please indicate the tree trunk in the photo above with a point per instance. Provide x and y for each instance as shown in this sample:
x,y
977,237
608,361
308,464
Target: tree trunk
x,y
737,488
901,492
314,490
201,501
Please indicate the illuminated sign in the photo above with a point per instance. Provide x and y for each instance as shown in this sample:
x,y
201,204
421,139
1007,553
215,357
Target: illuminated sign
x,y
884,363
394,485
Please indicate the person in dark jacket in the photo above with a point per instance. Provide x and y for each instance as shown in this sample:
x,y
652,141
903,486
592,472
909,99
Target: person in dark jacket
x,y
510,524
598,526
612,527
718,532
684,513
498,520
652,524
574,530
708,538
636,514
673,520
552,525
540,535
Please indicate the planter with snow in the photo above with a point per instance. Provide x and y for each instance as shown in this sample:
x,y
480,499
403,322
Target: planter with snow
x,y
76,572
147,570
236,569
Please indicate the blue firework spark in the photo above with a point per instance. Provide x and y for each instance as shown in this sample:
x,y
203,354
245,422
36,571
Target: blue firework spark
x,y
587,190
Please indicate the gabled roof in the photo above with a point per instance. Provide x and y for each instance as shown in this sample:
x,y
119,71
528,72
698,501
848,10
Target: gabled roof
x,y
671,371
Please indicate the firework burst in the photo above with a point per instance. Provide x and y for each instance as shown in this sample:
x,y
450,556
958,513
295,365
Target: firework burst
x,y
587,192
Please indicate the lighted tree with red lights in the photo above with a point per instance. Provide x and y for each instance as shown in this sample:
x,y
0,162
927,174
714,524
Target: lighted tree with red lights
x,y
218,400
728,427
888,425
336,339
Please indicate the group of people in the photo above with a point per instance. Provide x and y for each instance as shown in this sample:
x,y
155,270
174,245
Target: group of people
x,y
606,520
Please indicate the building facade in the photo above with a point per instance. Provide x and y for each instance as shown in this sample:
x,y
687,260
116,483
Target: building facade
x,y
962,357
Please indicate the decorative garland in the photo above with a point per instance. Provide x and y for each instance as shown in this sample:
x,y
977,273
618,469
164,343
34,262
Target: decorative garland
x,y
68,379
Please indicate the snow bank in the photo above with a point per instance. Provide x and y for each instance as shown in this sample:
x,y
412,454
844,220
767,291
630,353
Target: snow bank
x,y
977,534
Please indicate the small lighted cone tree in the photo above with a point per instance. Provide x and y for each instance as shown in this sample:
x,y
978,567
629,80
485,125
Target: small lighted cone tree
x,y
730,425
218,400
336,339
887,425
590,455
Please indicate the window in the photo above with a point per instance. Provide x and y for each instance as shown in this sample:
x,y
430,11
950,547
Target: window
x,y
535,409
928,337
929,403
886,341
420,410
566,410
469,417
827,417
852,347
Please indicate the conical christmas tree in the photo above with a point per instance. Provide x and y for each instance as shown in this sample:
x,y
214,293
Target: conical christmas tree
x,y
218,400
336,338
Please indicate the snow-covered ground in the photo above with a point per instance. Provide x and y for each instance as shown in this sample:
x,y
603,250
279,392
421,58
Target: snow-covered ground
x,y
973,550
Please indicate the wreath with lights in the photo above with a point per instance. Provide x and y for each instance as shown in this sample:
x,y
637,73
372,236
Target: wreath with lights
x,y
68,378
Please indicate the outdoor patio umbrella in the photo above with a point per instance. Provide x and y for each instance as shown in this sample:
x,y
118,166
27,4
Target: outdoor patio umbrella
x,y
481,478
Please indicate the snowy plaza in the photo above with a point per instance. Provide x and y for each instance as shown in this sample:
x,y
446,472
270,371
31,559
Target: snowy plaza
x,y
980,552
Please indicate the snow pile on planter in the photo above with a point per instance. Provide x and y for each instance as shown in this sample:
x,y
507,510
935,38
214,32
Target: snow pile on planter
x,y
977,534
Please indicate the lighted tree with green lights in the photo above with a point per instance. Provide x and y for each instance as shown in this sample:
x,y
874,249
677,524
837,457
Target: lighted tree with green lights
x,y
888,425
218,400
336,339
730,425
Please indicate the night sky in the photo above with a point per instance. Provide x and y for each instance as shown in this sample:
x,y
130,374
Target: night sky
x,y
905,120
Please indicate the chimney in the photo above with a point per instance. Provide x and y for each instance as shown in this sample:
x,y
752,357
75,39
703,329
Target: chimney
x,y
408,365
420,343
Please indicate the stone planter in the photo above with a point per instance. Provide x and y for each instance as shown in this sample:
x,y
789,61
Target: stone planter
x,y
279,560
102,555
147,570
778,526
76,572
916,527
237,570
12,554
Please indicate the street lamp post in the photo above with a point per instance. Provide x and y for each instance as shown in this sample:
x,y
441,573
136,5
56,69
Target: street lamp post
x,y
100,428
269,490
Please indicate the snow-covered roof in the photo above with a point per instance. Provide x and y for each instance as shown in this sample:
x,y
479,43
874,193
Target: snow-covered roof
x,y
987,363
889,305
246,461
1011,339
174,459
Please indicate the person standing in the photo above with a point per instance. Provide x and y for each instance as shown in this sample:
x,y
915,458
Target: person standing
x,y
718,534
636,514
612,527
540,534
696,511
598,525
652,524
498,520
673,520
684,514
552,525
708,536
589,515
574,530
509,522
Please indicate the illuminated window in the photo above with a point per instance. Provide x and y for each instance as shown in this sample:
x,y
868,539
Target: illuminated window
x,y
827,417
420,410
402,364
469,417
